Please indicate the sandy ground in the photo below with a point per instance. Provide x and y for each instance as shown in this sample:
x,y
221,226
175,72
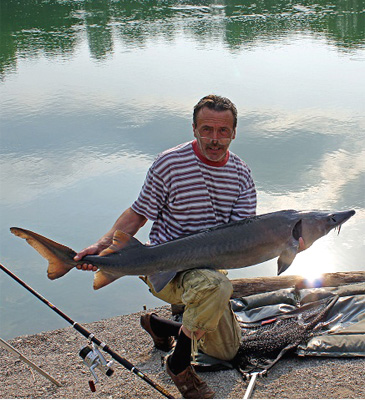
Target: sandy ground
x,y
57,353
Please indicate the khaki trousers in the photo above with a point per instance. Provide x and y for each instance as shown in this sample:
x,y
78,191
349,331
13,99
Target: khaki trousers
x,y
205,293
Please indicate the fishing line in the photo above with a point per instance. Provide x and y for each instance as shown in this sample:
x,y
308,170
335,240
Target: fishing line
x,y
90,336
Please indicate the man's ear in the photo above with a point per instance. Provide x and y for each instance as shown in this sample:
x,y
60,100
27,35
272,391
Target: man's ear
x,y
194,129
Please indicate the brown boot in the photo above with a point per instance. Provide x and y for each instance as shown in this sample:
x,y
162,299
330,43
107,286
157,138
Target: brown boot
x,y
189,383
161,343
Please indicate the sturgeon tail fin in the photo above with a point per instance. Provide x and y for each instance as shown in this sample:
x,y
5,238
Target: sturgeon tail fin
x,y
60,257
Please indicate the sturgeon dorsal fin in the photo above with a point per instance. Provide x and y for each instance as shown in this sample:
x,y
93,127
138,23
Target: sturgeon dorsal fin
x,y
121,240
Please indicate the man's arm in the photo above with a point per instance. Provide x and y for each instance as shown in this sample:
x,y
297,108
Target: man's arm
x,y
129,222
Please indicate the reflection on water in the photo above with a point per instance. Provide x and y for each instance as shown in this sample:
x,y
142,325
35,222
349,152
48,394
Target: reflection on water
x,y
45,173
93,91
55,28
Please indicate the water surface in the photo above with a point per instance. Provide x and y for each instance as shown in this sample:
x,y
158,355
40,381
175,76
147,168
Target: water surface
x,y
91,92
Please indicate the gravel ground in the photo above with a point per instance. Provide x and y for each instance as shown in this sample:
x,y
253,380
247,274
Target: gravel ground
x,y
57,353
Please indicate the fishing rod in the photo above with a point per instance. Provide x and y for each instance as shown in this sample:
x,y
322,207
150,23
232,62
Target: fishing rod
x,y
5,345
90,336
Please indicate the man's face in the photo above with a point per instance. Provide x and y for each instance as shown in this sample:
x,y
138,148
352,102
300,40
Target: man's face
x,y
214,132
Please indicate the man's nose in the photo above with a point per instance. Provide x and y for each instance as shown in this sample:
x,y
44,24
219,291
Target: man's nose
x,y
215,135
214,142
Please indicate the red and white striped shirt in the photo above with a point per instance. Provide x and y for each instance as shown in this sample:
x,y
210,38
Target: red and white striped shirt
x,y
182,194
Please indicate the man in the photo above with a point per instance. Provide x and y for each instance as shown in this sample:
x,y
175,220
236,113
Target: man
x,y
192,187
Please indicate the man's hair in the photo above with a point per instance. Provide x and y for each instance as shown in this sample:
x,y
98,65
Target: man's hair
x,y
216,103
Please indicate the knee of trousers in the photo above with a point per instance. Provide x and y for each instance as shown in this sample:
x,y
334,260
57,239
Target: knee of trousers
x,y
206,295
201,283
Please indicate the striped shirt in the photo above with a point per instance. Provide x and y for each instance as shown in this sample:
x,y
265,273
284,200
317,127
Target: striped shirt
x,y
182,194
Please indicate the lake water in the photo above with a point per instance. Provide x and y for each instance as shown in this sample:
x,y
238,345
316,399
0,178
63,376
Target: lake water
x,y
91,92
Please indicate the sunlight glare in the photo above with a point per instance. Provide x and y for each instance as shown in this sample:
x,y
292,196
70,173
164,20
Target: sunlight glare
x,y
312,264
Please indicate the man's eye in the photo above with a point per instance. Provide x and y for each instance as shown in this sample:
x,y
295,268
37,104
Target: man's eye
x,y
225,131
206,129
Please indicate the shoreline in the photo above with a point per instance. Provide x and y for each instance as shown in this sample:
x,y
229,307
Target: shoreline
x,y
57,353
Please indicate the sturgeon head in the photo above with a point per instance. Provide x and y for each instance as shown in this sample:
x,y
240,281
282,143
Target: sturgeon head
x,y
310,226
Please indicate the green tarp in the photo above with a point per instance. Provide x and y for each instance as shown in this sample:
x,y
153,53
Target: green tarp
x,y
344,334
343,331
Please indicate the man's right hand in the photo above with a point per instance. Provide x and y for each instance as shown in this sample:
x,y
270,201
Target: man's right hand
x,y
91,250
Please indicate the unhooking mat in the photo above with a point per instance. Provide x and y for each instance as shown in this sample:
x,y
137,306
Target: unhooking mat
x,y
311,322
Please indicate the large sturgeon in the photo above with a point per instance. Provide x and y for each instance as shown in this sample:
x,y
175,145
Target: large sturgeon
x,y
234,245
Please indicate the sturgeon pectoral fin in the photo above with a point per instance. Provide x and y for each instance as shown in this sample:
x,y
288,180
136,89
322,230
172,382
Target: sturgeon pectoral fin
x,y
287,256
102,279
160,280
60,257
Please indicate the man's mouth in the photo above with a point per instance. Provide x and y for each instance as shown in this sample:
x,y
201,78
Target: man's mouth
x,y
214,148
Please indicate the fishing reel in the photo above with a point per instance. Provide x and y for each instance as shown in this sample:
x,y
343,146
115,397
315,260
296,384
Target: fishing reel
x,y
93,359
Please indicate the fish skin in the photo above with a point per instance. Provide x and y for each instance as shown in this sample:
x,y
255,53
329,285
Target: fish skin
x,y
238,244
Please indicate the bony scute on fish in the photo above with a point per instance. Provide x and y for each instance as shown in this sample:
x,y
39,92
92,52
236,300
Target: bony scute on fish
x,y
239,244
